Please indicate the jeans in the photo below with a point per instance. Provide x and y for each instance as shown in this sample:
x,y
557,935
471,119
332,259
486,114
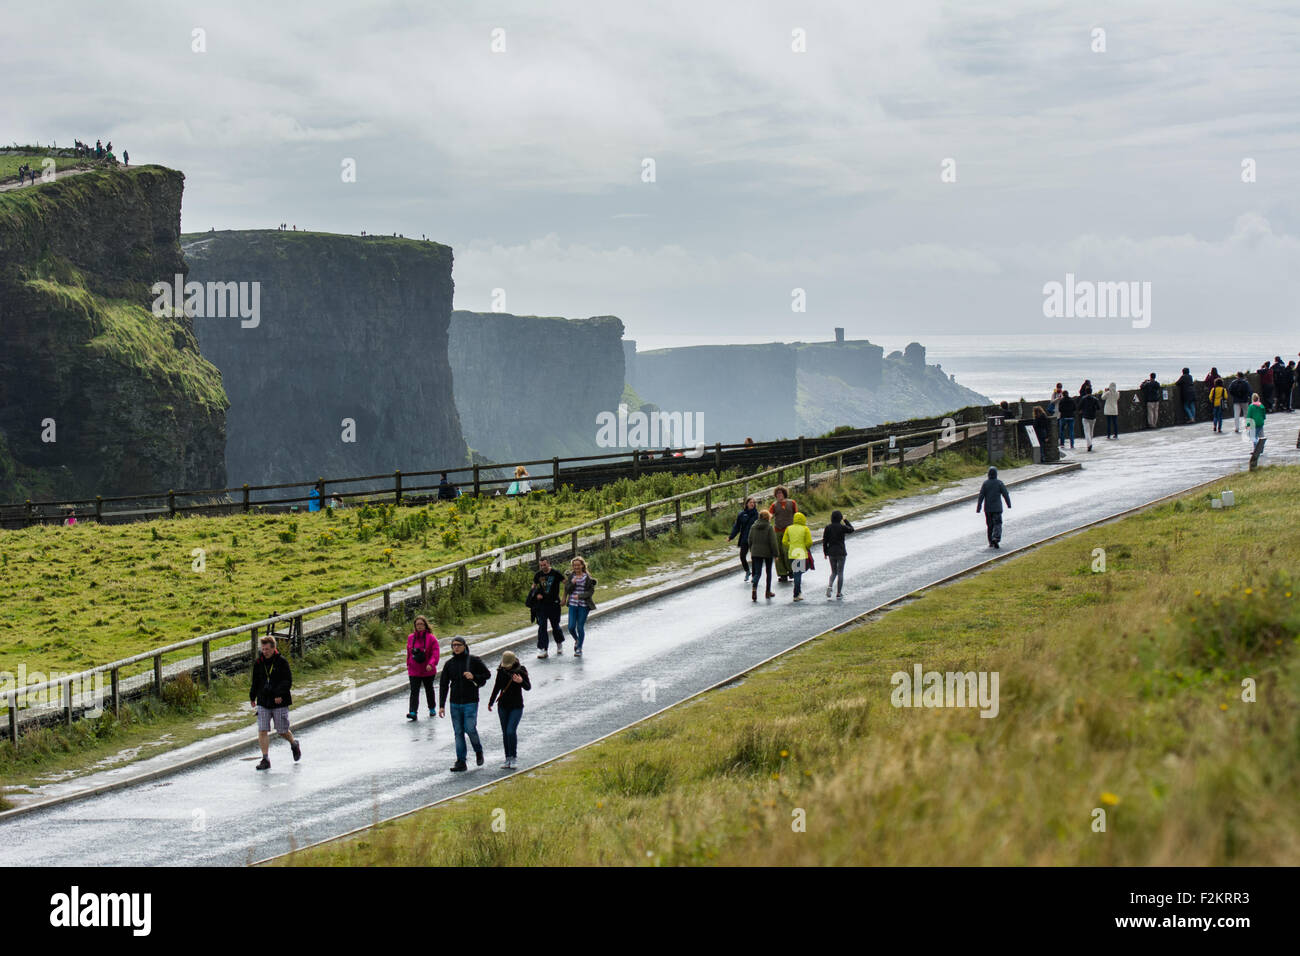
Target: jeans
x,y
464,720
744,556
1218,418
1112,426
1238,413
993,525
837,572
509,729
1189,409
578,624
759,564
1067,431
1060,431
1088,425
548,612
415,693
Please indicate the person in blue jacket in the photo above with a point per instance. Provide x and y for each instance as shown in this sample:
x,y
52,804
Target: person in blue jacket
x,y
748,515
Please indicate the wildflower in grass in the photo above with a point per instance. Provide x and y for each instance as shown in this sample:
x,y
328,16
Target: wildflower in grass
x,y
1109,798
1249,591
785,753
1223,707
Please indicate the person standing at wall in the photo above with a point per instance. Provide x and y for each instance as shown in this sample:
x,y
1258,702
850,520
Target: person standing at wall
x,y
1066,408
1110,408
1239,390
422,654
796,541
1218,402
1150,390
1054,412
1088,408
545,602
1266,385
834,551
579,586
748,515
1283,380
1187,395
269,696
512,681
763,548
783,512
992,493
460,681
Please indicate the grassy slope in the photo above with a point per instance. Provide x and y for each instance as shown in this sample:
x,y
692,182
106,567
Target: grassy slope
x,y
9,163
493,608
1120,691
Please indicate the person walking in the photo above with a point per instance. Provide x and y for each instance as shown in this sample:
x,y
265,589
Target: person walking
x,y
783,512
1054,411
512,681
1218,402
1255,414
796,541
748,515
763,548
992,493
460,681
579,586
1187,395
1088,409
1150,390
269,696
1067,409
1239,391
1110,408
834,551
422,653
544,599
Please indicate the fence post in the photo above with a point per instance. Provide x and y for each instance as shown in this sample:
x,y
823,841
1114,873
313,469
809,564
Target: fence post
x,y
871,465
644,536
115,689
902,457
780,476
253,642
245,498
320,493
708,502
839,468
476,482
388,602
636,462
424,590
30,517
677,513
807,476
171,503
717,459
537,552
99,508
555,474
397,487
575,544
343,617
207,664
464,580
157,674
608,543
13,718
67,703
299,638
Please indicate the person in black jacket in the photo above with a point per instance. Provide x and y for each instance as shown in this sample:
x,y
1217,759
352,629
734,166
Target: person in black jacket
x,y
748,515
1239,392
1067,409
269,696
446,490
1150,390
462,676
544,599
992,494
511,682
834,551
1089,408
1187,394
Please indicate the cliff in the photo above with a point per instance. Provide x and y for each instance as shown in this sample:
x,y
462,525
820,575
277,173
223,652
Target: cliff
x,y
741,390
856,362
349,328
531,386
133,404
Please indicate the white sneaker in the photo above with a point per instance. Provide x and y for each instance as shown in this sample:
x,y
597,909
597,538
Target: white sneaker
x,y
559,650
542,656
828,592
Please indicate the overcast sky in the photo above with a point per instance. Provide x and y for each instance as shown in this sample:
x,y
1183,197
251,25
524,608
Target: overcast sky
x,y
775,169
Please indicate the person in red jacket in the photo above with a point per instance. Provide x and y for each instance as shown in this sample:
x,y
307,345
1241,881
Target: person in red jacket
x,y
422,654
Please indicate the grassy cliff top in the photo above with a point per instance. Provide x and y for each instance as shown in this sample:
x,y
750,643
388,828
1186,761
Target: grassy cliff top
x,y
595,320
304,239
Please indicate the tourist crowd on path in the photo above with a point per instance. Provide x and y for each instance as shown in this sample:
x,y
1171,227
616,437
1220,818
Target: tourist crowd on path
x,y
27,172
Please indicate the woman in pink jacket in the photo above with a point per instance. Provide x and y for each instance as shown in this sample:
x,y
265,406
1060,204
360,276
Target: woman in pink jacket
x,y
421,665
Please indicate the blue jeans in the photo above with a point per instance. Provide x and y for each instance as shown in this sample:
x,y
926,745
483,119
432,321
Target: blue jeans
x,y
1112,426
464,720
1060,431
798,582
1218,417
1189,409
1067,431
578,624
510,728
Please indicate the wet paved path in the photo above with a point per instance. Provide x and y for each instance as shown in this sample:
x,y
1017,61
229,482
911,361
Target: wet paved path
x,y
372,764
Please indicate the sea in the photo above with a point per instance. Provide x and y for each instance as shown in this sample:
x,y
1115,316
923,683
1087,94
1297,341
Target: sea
x,y
1009,367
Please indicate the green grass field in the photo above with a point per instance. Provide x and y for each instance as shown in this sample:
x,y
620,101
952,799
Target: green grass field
x,y
1120,692
494,605
9,163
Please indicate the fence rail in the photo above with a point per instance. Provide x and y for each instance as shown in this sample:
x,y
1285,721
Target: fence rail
x,y
459,571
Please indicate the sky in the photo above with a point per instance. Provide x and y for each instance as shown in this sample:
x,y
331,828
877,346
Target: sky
x,y
775,168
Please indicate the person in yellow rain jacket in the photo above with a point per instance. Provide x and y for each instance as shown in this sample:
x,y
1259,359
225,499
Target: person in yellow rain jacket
x,y
1218,402
797,540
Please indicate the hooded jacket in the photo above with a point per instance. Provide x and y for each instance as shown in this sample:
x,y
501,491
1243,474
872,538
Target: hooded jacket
x,y
1187,388
1089,407
1256,415
511,694
743,520
797,538
1239,389
429,644
992,493
462,691
833,536
1110,405
762,539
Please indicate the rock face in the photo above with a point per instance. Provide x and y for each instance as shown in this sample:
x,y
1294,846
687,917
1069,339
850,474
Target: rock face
x,y
350,343
531,386
743,391
855,362
133,405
